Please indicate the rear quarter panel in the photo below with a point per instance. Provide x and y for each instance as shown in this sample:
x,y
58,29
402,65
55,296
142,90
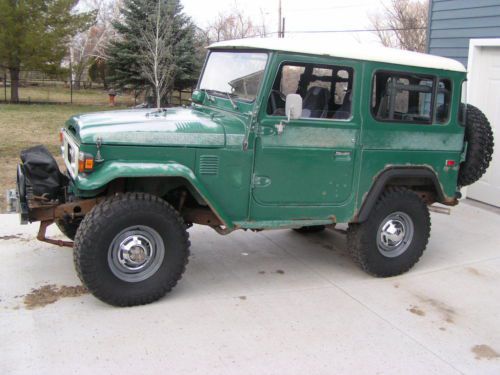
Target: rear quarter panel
x,y
385,144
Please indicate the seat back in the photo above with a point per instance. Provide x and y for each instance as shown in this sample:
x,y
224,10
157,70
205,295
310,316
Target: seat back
x,y
344,112
316,102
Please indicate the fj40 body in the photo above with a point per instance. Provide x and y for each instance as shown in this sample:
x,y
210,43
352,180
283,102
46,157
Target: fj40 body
x,y
279,135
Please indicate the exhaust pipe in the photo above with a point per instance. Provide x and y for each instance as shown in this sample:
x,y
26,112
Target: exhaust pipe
x,y
440,210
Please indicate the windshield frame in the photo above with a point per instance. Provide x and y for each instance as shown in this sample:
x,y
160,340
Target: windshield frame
x,y
235,97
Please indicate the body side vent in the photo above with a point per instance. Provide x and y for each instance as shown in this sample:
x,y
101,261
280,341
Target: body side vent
x,y
209,165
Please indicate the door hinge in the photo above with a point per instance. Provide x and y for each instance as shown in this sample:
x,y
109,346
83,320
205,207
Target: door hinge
x,y
260,181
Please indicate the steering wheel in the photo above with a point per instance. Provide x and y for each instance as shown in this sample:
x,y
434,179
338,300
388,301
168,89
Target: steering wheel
x,y
273,97
280,94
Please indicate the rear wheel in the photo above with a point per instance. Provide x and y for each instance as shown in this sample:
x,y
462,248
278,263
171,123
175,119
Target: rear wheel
x,y
131,249
394,236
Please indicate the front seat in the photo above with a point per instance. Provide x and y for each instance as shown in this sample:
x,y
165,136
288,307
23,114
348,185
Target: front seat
x,y
315,103
344,112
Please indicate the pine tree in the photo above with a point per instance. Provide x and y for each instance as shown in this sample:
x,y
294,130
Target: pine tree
x,y
34,34
126,55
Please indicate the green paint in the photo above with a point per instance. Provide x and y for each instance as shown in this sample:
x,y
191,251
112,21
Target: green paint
x,y
317,172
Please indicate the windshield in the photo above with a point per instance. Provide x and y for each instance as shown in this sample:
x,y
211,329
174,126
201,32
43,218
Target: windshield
x,y
235,73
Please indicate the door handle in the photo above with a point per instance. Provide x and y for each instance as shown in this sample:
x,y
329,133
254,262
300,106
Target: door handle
x,y
342,155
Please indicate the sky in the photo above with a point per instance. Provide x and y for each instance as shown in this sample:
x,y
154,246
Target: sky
x,y
312,15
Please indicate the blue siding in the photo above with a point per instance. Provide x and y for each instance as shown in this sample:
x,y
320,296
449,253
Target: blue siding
x,y
452,23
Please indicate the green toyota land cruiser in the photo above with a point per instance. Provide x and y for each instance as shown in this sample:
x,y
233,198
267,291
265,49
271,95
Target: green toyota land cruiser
x,y
280,134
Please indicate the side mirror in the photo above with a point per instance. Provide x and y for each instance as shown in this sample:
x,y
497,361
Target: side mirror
x,y
293,106
198,96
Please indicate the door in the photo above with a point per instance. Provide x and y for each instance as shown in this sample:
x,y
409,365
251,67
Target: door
x,y
311,162
484,91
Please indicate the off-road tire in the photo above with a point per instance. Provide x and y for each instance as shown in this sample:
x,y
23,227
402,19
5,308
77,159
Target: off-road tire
x,y
97,232
479,137
310,229
362,237
68,228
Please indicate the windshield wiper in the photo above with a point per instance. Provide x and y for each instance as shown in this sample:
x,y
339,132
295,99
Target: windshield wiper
x,y
209,97
232,101
227,95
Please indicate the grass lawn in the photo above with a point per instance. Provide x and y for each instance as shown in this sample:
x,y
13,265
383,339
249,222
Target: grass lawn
x,y
62,94
23,126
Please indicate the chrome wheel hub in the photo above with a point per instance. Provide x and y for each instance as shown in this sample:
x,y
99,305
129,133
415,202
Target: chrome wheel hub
x,y
136,253
395,234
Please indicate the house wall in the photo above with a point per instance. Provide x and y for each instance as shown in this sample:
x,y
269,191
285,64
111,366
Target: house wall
x,y
452,23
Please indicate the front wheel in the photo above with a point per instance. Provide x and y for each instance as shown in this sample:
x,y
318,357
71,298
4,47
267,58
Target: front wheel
x,y
131,249
394,236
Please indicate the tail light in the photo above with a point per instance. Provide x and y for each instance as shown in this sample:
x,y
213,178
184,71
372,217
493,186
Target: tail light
x,y
85,162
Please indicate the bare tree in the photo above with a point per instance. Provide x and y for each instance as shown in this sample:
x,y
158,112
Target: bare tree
x,y
158,61
234,25
403,24
92,44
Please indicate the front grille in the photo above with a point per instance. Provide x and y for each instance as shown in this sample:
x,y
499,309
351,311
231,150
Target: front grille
x,y
70,154
209,165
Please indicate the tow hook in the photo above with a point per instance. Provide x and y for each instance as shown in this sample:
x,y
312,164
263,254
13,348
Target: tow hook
x,y
41,235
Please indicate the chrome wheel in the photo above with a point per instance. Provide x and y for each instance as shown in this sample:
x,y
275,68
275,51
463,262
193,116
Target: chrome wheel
x,y
395,234
136,253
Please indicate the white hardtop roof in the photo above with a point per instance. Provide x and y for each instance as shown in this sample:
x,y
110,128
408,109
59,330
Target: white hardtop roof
x,y
336,48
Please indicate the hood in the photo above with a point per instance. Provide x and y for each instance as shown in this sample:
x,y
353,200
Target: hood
x,y
150,127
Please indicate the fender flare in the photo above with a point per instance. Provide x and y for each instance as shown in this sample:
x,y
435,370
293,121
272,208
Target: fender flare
x,y
389,173
116,169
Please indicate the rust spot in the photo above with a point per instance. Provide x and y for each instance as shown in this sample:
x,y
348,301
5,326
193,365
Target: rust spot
x,y
485,352
449,201
48,294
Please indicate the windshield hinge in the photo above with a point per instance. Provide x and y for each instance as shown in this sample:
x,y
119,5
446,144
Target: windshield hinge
x,y
252,127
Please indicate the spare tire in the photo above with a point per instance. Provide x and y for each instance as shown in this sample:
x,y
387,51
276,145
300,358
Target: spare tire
x,y
479,137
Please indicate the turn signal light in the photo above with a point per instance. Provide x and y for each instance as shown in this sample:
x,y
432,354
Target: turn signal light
x,y
85,162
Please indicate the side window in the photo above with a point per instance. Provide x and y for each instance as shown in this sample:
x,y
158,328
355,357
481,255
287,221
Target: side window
x,y
462,112
325,90
402,97
443,101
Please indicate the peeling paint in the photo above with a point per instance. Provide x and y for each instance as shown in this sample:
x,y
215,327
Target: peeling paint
x,y
313,137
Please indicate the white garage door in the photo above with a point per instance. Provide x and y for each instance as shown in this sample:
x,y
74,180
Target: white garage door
x,y
484,93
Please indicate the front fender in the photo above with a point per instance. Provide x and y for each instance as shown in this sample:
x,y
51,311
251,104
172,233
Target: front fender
x,y
115,169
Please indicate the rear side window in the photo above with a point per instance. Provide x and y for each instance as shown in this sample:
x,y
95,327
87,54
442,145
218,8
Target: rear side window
x,y
443,100
402,97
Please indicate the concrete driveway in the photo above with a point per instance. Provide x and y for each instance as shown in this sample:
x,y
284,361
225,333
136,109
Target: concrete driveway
x,y
274,302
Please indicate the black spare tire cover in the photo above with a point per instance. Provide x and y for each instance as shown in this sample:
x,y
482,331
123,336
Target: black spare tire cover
x,y
479,137
42,173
